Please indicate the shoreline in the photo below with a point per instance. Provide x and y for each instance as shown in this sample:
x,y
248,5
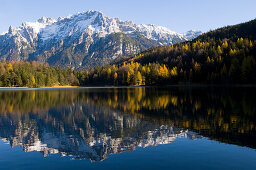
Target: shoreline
x,y
174,85
56,87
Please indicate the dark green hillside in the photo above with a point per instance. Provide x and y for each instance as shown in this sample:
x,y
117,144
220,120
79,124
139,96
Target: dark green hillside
x,y
225,55
245,30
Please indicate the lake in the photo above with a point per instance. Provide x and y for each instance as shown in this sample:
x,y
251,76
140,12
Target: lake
x,y
128,128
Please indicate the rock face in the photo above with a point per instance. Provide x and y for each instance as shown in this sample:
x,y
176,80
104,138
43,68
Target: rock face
x,y
83,40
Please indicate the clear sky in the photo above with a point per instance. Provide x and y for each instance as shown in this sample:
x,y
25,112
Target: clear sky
x,y
177,15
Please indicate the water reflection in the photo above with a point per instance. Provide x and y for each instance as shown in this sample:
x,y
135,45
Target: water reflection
x,y
93,123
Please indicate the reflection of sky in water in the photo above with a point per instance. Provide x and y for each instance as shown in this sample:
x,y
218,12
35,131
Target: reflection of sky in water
x,y
152,124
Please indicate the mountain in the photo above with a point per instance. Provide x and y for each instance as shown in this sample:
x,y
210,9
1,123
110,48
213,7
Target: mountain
x,y
223,56
83,40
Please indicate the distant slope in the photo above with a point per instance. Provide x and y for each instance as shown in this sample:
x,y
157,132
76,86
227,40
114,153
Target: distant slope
x,y
245,30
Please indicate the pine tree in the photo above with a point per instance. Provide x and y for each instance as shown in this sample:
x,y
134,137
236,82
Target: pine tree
x,y
223,73
18,81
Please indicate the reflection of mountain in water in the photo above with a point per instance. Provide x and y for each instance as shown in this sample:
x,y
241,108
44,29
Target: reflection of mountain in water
x,y
93,123
85,132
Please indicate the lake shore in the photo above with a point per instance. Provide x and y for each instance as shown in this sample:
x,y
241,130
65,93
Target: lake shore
x,y
60,87
174,85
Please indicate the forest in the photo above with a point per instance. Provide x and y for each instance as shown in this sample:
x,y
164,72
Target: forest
x,y
35,74
223,56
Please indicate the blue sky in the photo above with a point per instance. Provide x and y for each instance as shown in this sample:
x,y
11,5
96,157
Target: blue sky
x,y
177,15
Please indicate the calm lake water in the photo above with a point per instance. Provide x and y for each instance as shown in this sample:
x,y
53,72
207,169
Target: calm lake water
x,y
128,128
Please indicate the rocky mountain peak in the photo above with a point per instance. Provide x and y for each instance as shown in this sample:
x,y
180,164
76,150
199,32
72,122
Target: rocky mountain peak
x,y
84,40
12,30
45,20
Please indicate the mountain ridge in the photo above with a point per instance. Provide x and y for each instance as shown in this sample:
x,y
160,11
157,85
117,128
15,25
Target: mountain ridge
x,y
71,41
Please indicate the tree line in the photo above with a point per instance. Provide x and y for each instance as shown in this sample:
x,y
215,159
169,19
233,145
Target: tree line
x,y
35,74
231,62
222,61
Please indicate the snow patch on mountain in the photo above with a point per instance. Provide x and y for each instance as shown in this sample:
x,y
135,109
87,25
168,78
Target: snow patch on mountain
x,y
152,31
190,35
3,33
37,26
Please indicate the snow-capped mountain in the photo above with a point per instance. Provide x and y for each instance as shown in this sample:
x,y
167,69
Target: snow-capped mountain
x,y
83,40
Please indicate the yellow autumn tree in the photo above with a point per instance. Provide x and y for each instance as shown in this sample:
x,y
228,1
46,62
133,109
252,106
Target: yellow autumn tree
x,y
208,60
219,50
220,59
9,67
163,71
115,76
174,71
166,71
143,70
148,70
128,78
33,80
181,70
225,44
240,40
185,47
250,44
232,52
114,68
137,65
197,66
108,73
139,78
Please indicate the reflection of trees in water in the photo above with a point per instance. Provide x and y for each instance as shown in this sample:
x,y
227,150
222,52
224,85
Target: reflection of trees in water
x,y
226,115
